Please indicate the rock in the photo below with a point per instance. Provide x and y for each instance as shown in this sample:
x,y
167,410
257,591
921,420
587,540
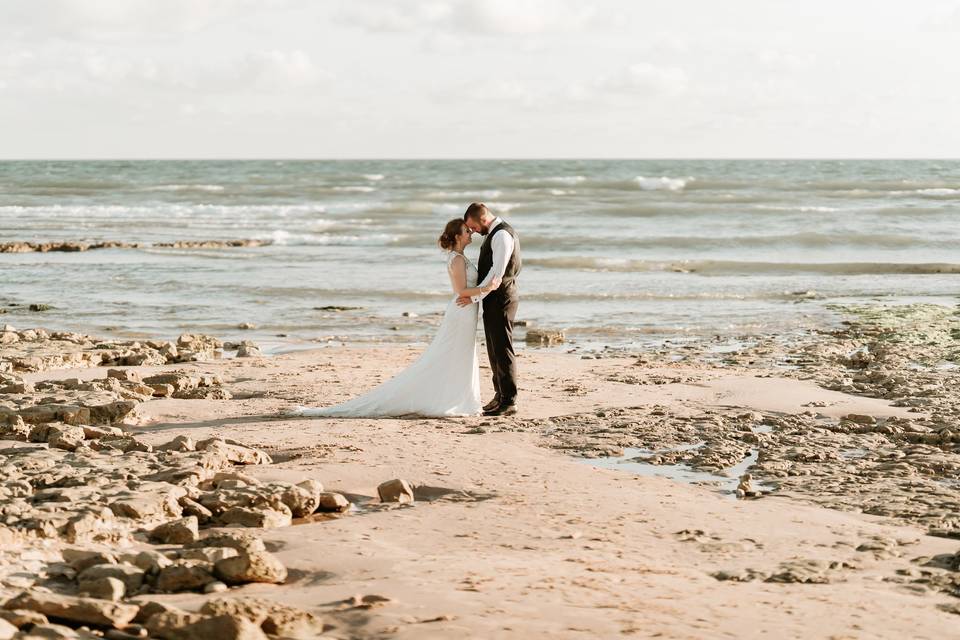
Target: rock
x,y
396,490
179,531
302,499
131,576
95,433
37,307
215,587
164,623
7,630
127,375
180,443
248,349
145,506
330,501
22,617
274,618
544,337
209,554
194,508
184,575
860,419
234,451
224,627
258,566
162,390
105,588
81,559
243,542
255,517
56,632
150,608
150,562
79,610
246,326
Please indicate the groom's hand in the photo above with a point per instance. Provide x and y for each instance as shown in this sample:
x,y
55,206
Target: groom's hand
x,y
464,301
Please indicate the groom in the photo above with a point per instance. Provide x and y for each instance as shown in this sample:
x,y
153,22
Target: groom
x,y
499,258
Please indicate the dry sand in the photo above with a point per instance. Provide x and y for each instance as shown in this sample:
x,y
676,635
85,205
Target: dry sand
x,y
511,539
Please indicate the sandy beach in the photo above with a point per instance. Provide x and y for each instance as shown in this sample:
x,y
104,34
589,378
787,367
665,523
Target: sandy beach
x,y
514,533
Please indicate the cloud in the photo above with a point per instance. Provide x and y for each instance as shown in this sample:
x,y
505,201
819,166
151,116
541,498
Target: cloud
x,y
469,17
122,19
645,79
93,70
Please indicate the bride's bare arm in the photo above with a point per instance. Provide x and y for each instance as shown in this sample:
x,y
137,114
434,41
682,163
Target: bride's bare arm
x,y
458,280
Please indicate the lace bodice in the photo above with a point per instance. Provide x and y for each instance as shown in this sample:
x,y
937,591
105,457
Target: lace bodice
x,y
471,269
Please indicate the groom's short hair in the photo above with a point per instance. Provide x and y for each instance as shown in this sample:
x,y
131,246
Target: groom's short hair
x,y
475,211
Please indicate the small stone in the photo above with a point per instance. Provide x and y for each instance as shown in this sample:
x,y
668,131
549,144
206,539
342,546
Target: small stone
x,y
544,337
260,566
215,587
396,490
180,443
330,501
248,349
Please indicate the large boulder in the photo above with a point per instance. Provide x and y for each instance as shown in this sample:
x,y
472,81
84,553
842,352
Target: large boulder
x,y
274,618
179,531
78,610
193,627
132,577
184,575
242,542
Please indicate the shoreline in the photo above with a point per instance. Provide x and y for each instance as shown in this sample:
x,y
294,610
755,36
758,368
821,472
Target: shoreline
x,y
514,534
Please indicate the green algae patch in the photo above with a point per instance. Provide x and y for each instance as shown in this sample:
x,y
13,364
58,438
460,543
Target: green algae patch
x,y
934,327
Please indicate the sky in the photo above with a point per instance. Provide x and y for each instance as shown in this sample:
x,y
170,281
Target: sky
x,y
479,79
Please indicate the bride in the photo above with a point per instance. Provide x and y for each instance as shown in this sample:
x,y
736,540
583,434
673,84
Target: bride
x,y
445,379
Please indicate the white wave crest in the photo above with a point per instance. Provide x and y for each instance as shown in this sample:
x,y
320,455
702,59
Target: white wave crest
x,y
663,183
568,180
356,188
185,187
373,176
939,192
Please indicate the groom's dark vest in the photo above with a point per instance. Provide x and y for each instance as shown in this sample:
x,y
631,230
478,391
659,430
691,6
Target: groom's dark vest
x,y
485,262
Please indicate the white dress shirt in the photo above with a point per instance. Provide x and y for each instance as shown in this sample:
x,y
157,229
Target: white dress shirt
x,y
502,245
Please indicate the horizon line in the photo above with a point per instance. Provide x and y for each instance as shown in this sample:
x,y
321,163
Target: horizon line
x,y
486,159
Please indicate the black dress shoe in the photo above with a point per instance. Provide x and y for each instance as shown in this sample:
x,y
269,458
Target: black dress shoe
x,y
502,410
493,404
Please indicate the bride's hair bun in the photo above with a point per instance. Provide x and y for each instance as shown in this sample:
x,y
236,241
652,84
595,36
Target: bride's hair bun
x,y
448,239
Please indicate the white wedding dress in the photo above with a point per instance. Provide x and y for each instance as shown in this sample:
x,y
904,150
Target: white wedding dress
x,y
444,380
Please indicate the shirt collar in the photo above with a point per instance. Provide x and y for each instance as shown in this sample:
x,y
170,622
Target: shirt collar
x,y
495,223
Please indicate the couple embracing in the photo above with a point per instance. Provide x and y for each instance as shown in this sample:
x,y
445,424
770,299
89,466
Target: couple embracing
x,y
445,379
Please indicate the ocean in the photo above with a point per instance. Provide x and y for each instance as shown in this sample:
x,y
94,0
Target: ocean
x,y
619,252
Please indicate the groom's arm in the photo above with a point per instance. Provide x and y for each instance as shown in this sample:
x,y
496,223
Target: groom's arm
x,y
502,248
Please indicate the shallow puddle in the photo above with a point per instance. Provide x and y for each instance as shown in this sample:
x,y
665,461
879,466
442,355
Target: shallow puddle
x,y
726,482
